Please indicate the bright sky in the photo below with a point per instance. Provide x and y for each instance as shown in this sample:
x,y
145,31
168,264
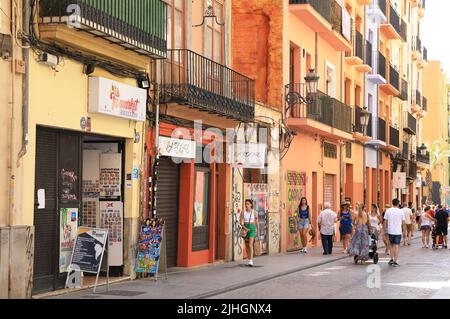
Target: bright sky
x,y
436,28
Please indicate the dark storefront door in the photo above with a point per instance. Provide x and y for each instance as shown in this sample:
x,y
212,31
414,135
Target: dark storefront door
x,y
167,205
57,176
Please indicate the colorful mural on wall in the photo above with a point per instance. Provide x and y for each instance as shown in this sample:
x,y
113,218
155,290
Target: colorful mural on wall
x,y
296,189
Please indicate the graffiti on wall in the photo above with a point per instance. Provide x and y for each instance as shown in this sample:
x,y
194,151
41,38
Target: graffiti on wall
x,y
259,194
236,200
274,230
296,189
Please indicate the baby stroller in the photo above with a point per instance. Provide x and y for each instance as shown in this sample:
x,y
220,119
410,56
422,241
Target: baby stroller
x,y
373,248
438,240
373,254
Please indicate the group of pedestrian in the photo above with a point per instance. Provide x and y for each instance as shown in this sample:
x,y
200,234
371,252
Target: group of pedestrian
x,y
357,227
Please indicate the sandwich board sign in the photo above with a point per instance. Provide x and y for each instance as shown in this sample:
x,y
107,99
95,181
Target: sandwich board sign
x,y
89,250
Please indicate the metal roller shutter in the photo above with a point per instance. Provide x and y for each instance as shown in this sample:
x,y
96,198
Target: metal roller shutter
x,y
167,205
45,220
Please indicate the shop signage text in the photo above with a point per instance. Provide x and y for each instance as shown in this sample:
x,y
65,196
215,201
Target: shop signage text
x,y
117,99
249,156
177,148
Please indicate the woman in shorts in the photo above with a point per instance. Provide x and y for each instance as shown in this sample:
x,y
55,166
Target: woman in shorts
x,y
425,223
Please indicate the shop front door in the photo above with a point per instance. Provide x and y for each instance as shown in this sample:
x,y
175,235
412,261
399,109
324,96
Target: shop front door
x,y
167,205
58,185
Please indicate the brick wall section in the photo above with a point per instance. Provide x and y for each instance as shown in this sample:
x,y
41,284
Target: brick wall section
x,y
257,46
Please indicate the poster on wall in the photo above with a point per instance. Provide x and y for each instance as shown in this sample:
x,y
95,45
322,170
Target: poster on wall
x,y
296,189
89,249
259,193
111,218
91,188
110,175
67,235
149,247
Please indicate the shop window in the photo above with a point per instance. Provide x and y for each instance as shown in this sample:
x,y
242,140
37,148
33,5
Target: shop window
x,y
200,234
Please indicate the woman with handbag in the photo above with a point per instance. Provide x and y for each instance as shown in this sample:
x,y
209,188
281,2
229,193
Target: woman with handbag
x,y
250,229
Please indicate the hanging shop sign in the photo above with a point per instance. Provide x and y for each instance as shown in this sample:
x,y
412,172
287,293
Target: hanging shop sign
x,y
248,155
67,236
111,218
399,180
117,99
173,147
149,247
89,249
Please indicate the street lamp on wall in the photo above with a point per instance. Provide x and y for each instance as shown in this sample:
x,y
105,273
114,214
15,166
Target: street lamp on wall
x,y
423,149
365,118
294,95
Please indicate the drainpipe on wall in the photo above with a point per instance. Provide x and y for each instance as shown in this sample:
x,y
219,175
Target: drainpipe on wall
x,y
25,82
316,62
11,170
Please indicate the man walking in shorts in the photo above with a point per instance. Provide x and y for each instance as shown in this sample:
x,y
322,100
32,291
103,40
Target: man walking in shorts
x,y
395,222
407,234
441,219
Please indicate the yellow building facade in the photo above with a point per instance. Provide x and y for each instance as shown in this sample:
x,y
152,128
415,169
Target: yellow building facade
x,y
436,130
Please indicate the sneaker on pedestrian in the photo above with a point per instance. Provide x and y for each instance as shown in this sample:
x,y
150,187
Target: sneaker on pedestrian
x,y
305,250
395,264
391,262
250,263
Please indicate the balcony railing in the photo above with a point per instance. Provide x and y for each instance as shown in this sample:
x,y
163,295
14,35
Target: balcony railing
x,y
358,45
412,169
138,25
404,30
324,109
410,125
425,54
418,44
423,158
394,78
381,65
418,98
394,19
405,150
368,59
382,130
189,78
329,9
383,7
404,90
394,137
425,104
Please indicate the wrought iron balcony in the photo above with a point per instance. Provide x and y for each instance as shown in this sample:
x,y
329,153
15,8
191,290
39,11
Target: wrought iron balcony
x,y
381,65
404,30
394,78
425,54
324,108
405,151
425,104
418,98
412,170
326,8
394,137
382,130
410,124
391,28
423,158
404,90
368,58
189,78
383,6
138,25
